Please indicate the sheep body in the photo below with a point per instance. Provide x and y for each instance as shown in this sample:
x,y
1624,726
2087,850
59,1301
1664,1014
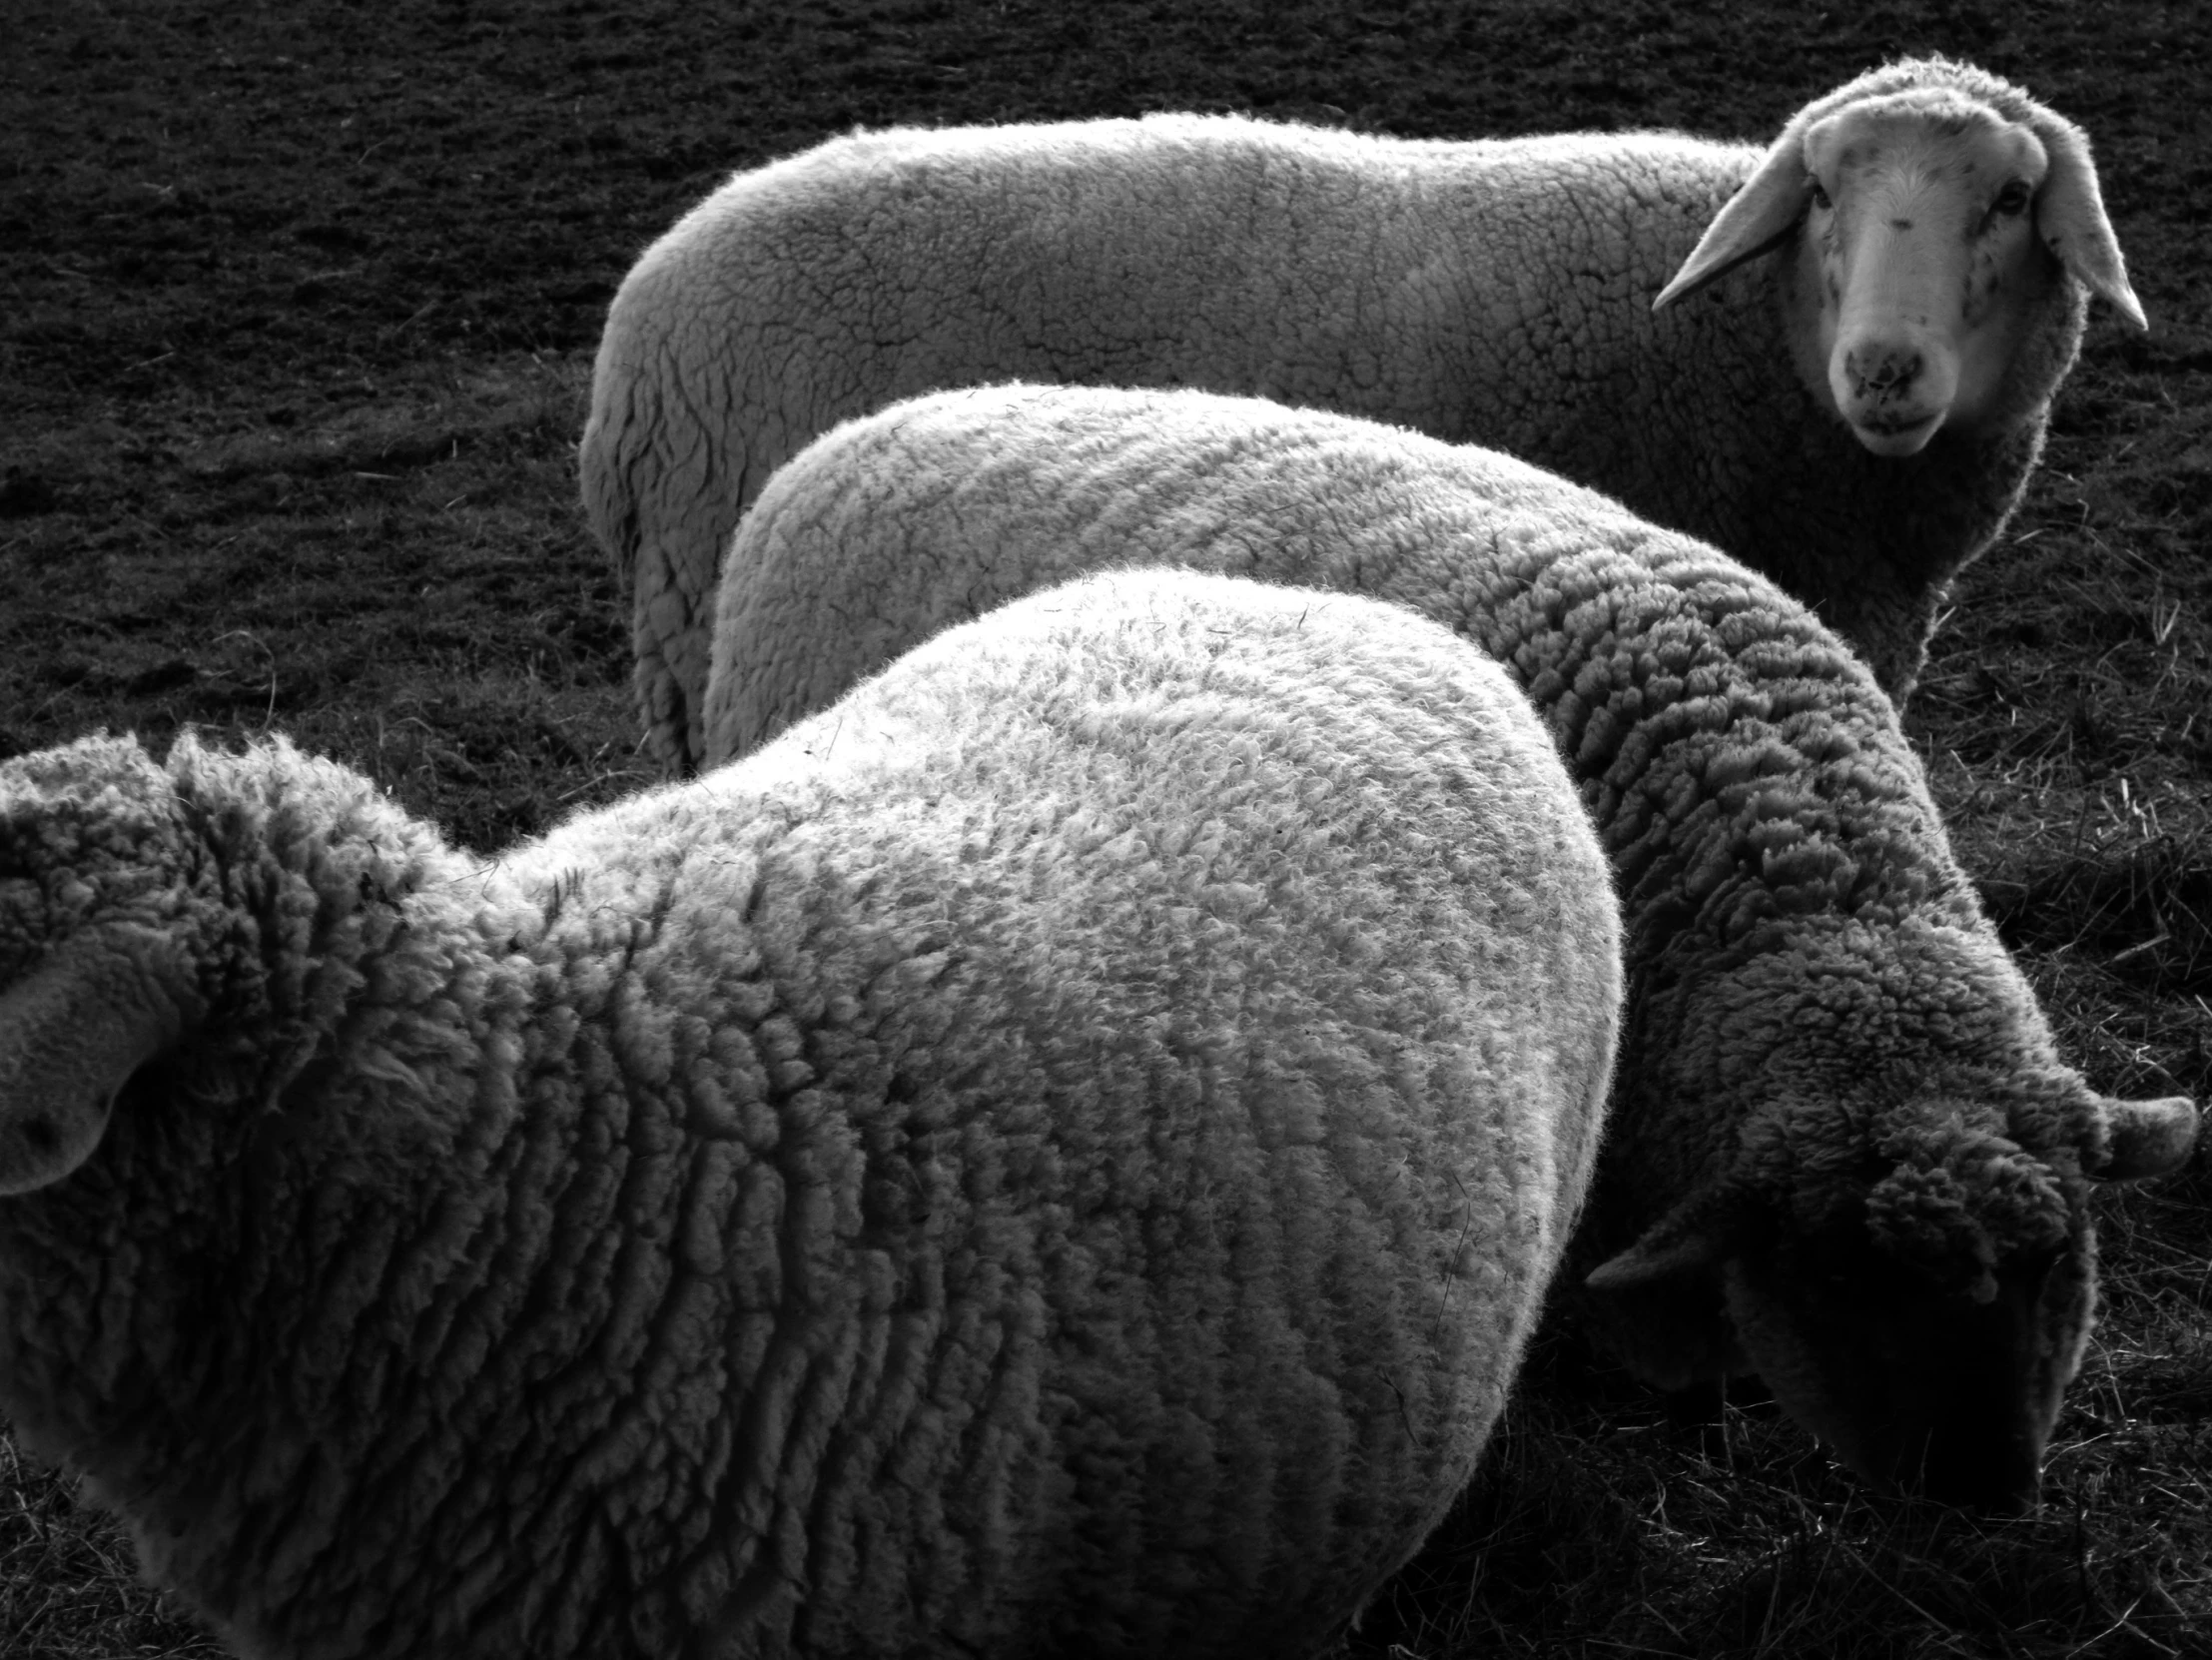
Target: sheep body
x,y
1059,1155
1843,1151
1492,292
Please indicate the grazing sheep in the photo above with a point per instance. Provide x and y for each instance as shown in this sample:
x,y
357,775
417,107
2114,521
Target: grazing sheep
x,y
1061,1154
1854,416
1843,1152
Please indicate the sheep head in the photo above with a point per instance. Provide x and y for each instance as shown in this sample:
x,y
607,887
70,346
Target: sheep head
x,y
1933,208
1922,1308
208,901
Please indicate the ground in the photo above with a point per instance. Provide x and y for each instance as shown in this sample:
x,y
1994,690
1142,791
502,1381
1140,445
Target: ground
x,y
300,306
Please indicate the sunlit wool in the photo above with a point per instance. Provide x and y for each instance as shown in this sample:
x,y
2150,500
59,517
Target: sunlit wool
x,y
1061,1154
1843,1152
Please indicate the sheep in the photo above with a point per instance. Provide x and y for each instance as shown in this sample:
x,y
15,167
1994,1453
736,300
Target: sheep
x,y
1843,1152
1059,1155
1886,303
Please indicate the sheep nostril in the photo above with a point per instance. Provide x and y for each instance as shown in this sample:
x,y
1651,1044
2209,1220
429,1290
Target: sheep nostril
x,y
1882,372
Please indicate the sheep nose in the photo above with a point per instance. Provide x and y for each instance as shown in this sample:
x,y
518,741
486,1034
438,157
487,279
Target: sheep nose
x,y
1882,370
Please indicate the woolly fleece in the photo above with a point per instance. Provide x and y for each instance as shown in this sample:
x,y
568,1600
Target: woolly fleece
x,y
1496,292
1061,1154
1841,1119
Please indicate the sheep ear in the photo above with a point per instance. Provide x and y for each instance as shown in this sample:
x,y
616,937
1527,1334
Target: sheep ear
x,y
2069,216
1698,1233
1649,1261
71,1034
2145,1138
1749,223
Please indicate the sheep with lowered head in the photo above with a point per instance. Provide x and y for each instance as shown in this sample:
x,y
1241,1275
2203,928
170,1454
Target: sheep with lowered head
x,y
1059,1155
1843,1152
1886,300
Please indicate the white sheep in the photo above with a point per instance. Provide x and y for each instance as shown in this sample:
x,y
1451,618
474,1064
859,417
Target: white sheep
x,y
1854,414
1843,1152
1059,1155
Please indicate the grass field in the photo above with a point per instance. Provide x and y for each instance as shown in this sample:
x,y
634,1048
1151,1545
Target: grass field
x,y
299,308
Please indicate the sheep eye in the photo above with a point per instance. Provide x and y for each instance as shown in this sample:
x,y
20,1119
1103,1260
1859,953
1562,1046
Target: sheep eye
x,y
2011,200
1820,196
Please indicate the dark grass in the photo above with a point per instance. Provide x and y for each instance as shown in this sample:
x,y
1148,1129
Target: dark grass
x,y
296,310
68,1585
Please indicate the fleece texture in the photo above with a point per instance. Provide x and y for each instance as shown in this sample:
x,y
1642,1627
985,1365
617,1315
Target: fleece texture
x,y
1494,291
1059,1156
1841,1115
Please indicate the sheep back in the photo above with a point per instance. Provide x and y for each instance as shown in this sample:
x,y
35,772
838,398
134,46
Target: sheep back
x,y
1058,1153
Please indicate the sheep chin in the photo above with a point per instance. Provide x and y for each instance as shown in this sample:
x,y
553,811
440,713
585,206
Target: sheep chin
x,y
1893,437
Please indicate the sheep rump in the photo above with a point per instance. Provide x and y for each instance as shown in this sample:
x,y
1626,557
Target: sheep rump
x,y
1060,1154
1843,1151
1497,292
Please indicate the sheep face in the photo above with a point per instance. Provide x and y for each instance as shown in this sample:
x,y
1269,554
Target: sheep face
x,y
1892,1230
1916,1290
1929,1349
1920,222
1932,214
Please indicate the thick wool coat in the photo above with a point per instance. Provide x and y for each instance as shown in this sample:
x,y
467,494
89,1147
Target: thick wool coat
x,y
1842,1129
1494,291
1059,1155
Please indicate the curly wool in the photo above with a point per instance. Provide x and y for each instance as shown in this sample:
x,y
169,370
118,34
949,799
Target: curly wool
x,y
1964,1199
1815,993
1061,1154
1495,292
